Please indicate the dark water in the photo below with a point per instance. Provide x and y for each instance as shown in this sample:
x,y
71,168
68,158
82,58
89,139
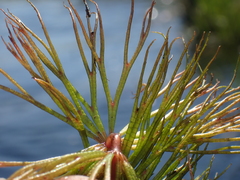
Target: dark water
x,y
26,132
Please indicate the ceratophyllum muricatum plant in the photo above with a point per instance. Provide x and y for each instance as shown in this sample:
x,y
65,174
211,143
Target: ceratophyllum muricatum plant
x,y
192,109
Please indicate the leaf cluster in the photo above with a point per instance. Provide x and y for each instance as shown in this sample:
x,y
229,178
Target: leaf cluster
x,y
192,110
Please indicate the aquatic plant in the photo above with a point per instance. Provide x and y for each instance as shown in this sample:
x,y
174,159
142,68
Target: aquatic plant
x,y
192,110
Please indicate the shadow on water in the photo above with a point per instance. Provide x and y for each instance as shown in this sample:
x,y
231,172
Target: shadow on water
x,y
27,133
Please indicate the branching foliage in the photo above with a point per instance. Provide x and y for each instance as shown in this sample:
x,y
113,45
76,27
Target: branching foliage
x,y
180,125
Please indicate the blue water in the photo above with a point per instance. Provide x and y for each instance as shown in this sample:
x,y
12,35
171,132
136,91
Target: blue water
x,y
28,133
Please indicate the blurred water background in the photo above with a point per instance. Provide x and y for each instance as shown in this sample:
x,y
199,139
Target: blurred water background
x,y
27,133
